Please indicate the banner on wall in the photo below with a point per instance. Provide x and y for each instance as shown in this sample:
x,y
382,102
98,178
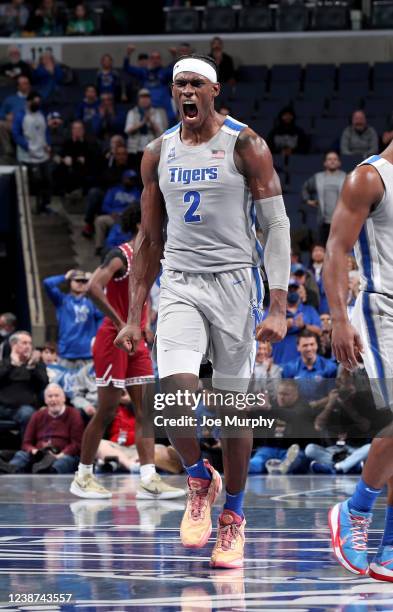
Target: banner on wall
x,y
31,51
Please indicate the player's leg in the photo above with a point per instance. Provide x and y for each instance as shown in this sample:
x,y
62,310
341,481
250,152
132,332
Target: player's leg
x,y
349,521
152,486
84,483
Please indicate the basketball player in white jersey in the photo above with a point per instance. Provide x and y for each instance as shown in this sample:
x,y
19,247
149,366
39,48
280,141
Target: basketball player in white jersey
x,y
210,173
364,219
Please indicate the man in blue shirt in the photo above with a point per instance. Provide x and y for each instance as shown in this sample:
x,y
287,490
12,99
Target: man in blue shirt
x,y
310,369
77,315
17,101
156,78
116,200
299,317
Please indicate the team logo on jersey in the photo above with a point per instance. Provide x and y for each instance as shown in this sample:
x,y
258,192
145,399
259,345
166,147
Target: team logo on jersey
x,y
218,154
192,175
171,154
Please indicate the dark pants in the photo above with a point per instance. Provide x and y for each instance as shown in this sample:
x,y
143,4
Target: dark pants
x,y
324,230
20,415
40,183
94,201
65,465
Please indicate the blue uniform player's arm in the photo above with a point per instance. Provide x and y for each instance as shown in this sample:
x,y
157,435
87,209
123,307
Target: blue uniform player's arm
x,y
363,189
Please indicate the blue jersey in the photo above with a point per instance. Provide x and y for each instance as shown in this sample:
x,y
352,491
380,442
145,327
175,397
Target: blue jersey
x,y
78,320
310,380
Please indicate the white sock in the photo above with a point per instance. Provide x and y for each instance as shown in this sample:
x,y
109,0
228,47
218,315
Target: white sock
x,y
147,471
84,470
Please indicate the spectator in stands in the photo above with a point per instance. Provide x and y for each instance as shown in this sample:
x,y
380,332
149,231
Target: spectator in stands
x,y
116,201
322,191
325,339
52,440
309,368
300,317
88,108
80,161
77,316
85,396
122,230
50,357
184,48
317,258
359,138
15,67
47,75
111,175
23,378
353,291
13,17
16,102
30,133
224,110
81,24
348,421
7,144
7,328
387,135
225,65
143,124
281,452
109,120
46,20
306,278
155,78
266,374
286,137
108,80
57,134
109,154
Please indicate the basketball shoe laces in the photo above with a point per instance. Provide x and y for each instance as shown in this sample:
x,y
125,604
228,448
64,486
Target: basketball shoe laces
x,y
359,529
198,502
227,536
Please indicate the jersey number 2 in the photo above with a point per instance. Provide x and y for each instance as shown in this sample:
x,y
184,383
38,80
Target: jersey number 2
x,y
193,198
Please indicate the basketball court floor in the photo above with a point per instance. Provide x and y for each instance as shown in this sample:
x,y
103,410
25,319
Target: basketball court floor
x,y
124,554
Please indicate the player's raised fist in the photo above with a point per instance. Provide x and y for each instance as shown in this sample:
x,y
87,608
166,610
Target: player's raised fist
x,y
272,329
128,338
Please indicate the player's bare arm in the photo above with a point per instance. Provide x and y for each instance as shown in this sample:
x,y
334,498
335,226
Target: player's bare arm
x,y
362,191
148,247
254,160
96,289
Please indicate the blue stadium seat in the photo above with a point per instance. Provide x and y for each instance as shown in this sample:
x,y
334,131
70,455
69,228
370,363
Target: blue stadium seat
x,y
86,76
341,108
352,71
242,109
320,143
309,108
320,72
383,89
353,90
286,73
284,91
314,90
295,182
305,164
330,126
378,107
297,217
306,123
261,126
292,203
251,73
349,162
245,91
269,109
383,71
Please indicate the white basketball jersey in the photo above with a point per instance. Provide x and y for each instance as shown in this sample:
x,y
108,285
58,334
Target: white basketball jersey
x,y
374,248
211,219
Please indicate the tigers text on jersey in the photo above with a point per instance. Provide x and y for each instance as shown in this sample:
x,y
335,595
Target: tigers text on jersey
x,y
373,250
211,219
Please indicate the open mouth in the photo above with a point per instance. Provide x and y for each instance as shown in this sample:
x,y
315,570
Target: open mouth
x,y
190,110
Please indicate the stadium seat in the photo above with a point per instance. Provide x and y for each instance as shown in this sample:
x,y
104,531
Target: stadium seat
x,y
305,164
219,19
261,126
378,107
309,108
255,19
314,90
292,18
86,76
354,72
280,90
349,162
355,90
382,89
341,108
242,109
330,126
382,15
254,74
383,71
320,72
286,73
268,109
245,91
179,20
320,143
333,17
295,182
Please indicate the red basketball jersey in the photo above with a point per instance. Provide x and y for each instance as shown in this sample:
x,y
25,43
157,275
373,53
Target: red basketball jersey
x,y
117,290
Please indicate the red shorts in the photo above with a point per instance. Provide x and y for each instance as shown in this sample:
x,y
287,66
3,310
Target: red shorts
x,y
114,366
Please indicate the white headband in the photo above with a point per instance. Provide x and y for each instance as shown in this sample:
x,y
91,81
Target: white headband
x,y
192,64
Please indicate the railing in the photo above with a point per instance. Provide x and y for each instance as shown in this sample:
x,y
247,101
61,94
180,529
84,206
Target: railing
x,y
33,286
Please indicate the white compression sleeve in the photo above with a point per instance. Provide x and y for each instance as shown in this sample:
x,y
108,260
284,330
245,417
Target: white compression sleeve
x,y
274,224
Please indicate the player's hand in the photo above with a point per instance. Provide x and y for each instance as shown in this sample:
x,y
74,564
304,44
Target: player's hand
x,y
128,338
347,345
272,329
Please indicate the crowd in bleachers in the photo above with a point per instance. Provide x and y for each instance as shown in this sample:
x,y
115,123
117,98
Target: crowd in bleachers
x,y
87,130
